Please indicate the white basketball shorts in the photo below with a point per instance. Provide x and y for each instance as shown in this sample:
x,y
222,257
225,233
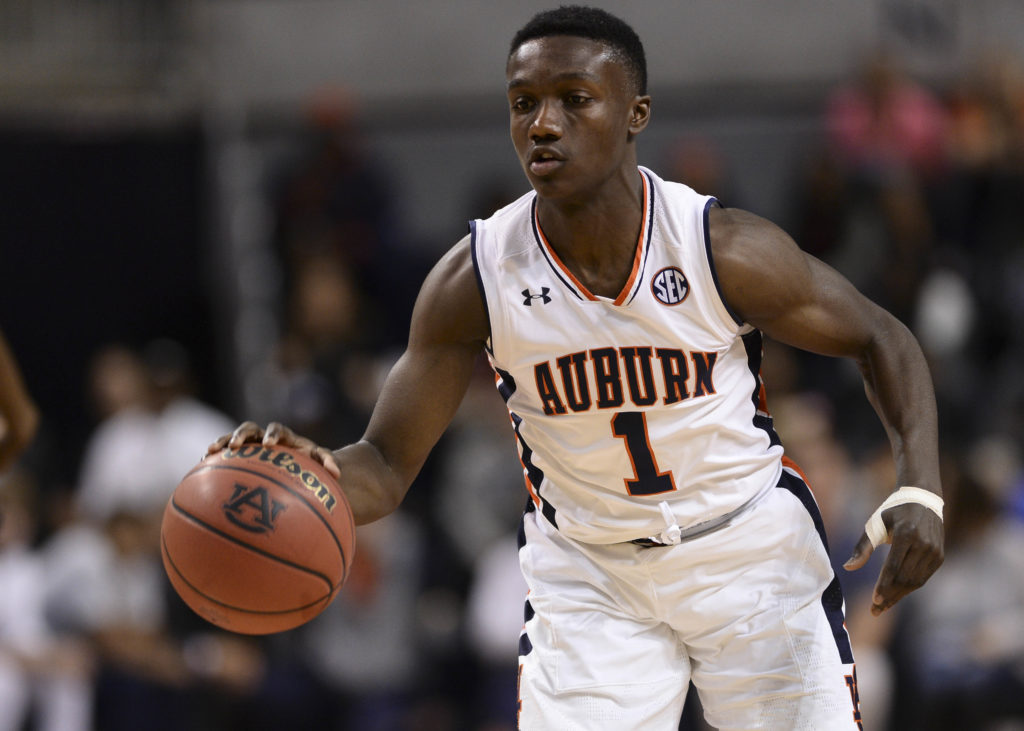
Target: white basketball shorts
x,y
751,612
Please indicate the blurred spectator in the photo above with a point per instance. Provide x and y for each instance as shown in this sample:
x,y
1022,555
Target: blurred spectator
x,y
334,196
119,457
106,588
106,584
959,641
821,201
986,128
337,199
884,234
864,201
324,372
480,481
19,417
981,221
41,677
945,321
494,619
363,649
699,162
997,464
121,609
945,315
153,430
481,493
886,123
886,139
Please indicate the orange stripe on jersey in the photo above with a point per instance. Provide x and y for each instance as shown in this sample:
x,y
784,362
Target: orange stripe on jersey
x,y
529,487
561,265
526,473
787,462
637,255
762,396
641,242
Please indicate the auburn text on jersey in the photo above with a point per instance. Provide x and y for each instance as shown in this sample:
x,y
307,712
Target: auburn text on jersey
x,y
604,378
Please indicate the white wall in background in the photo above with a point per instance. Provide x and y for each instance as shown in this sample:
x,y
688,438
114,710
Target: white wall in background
x,y
272,51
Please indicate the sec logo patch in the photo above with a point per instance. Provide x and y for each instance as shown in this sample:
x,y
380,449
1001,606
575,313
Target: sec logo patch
x,y
669,286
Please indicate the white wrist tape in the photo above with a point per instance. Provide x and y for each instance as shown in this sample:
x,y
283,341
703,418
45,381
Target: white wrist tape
x,y
875,527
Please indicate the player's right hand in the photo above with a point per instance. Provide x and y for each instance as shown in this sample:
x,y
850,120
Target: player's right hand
x,y
916,537
249,432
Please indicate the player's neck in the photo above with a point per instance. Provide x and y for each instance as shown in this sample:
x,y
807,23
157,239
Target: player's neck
x,y
596,237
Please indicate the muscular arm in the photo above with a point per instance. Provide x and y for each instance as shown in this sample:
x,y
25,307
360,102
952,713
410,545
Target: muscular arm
x,y
423,390
796,299
19,417
419,398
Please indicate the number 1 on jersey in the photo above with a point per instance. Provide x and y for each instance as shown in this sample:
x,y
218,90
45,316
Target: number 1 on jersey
x,y
631,427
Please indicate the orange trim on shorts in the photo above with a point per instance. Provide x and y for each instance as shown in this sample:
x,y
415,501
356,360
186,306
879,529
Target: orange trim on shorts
x,y
787,462
519,694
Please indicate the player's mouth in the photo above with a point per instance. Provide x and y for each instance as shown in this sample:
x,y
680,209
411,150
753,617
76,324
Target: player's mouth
x,y
544,161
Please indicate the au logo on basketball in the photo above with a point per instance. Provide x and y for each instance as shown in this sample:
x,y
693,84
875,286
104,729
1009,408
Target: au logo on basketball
x,y
669,286
252,509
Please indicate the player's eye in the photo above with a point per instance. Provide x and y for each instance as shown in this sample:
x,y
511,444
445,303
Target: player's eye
x,y
578,99
521,104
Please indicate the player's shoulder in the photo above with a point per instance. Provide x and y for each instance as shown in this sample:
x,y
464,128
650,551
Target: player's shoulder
x,y
456,264
508,232
676,190
514,209
738,219
741,235
758,265
450,302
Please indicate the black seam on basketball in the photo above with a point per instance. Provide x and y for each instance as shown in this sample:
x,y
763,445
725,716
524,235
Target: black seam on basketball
x,y
227,536
204,595
296,493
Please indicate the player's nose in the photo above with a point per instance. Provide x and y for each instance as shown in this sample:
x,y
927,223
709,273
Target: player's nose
x,y
547,122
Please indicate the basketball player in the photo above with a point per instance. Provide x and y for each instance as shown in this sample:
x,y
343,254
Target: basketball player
x,y
666,537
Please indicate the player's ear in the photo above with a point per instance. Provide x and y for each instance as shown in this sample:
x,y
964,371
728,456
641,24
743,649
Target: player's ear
x,y
640,115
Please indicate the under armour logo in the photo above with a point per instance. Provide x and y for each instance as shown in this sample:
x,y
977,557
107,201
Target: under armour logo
x,y
529,297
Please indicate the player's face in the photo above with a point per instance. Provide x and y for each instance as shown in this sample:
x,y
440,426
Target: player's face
x,y
573,112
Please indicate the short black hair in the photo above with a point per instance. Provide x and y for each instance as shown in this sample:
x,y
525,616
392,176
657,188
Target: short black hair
x,y
596,25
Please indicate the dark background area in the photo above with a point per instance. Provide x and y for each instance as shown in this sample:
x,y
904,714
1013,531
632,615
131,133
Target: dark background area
x,y
102,240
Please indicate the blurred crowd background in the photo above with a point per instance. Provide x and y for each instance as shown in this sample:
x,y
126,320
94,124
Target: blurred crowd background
x,y
199,227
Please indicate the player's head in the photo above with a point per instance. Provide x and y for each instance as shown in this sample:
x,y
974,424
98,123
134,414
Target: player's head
x,y
575,79
596,25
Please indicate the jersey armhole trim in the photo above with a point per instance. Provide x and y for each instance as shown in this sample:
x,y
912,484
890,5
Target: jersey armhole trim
x,y
713,202
488,344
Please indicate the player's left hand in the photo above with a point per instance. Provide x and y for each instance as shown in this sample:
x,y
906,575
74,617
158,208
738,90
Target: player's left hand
x,y
916,535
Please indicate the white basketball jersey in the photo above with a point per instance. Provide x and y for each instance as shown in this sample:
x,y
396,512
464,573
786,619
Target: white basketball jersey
x,y
621,404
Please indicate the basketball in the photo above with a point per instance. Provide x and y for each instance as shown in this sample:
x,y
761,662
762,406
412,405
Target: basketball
x,y
257,540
